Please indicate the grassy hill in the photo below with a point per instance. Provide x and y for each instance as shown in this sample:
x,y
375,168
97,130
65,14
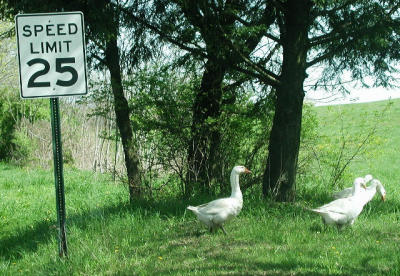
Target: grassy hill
x,y
107,236
381,120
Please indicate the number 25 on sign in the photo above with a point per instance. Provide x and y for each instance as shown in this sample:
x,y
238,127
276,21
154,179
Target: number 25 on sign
x,y
59,68
51,54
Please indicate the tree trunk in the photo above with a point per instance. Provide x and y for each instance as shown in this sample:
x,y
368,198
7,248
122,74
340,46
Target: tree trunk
x,y
122,118
280,174
215,26
205,130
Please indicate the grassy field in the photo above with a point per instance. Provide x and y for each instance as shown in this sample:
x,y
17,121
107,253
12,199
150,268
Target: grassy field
x,y
107,236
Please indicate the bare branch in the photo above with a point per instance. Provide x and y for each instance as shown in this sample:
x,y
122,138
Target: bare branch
x,y
262,77
8,33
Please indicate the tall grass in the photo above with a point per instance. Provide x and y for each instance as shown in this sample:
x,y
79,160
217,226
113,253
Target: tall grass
x,y
107,236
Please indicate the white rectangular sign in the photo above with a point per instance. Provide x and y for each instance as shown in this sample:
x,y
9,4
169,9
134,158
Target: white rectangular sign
x,y
51,54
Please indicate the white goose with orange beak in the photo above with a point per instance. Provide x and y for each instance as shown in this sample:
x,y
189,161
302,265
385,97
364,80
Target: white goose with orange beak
x,y
376,186
215,213
370,191
344,210
349,191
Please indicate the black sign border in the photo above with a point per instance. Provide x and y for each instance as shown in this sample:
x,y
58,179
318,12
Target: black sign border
x,y
19,58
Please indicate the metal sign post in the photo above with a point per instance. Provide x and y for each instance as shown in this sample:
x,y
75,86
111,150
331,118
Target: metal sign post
x,y
52,64
58,175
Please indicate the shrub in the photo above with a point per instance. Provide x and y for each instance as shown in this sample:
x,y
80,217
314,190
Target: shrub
x,y
15,143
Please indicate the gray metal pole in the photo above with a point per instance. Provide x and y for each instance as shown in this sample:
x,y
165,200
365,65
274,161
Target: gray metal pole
x,y
58,175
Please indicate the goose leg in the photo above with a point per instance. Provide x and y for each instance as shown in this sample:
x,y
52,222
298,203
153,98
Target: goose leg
x,y
325,225
340,227
223,230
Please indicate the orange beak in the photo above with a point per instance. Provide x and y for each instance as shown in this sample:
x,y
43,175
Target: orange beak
x,y
246,170
383,197
363,185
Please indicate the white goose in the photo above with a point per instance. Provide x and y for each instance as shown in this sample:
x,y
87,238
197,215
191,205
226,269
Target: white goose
x,y
349,191
344,210
369,192
215,213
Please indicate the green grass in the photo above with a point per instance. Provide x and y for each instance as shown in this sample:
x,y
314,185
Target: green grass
x,y
380,157
107,236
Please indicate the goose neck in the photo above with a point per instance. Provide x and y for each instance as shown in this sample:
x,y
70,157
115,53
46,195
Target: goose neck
x,y
374,186
236,193
357,190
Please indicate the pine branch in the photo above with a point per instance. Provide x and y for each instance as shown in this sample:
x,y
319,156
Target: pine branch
x,y
163,35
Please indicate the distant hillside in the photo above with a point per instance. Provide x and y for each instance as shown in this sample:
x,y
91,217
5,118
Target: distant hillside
x,y
353,122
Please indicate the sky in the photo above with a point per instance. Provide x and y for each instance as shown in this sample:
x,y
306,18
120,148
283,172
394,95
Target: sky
x,y
359,95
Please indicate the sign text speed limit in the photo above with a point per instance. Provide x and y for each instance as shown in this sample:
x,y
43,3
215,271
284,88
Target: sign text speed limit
x,y
51,54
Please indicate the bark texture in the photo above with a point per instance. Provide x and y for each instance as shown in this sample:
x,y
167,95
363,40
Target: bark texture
x,y
122,117
205,131
279,180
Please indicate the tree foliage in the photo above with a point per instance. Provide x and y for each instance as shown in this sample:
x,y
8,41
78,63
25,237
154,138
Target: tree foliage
x,y
199,86
357,36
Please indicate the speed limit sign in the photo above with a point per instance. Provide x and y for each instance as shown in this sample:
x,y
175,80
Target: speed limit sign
x,y
51,54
